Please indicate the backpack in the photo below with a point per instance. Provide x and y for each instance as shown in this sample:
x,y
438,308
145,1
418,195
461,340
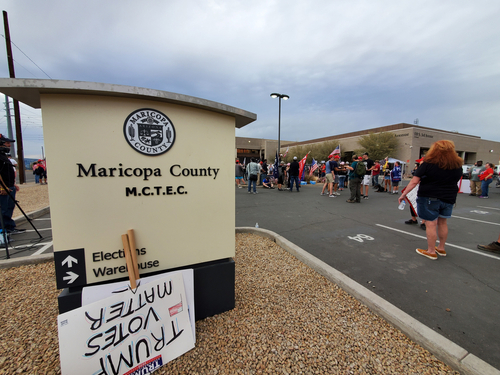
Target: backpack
x,y
360,169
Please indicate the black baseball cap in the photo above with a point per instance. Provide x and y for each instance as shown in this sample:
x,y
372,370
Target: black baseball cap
x,y
5,139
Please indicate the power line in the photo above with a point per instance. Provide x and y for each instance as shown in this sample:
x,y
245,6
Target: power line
x,y
3,36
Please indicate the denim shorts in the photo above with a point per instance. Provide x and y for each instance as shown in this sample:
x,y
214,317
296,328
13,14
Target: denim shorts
x,y
432,208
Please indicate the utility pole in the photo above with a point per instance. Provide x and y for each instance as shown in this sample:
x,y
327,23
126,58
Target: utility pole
x,y
17,113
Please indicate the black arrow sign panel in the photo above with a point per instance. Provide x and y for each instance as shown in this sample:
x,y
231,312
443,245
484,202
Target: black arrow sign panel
x,y
70,268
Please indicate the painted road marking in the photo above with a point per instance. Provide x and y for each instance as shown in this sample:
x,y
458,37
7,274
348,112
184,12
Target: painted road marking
x,y
491,208
361,237
40,230
447,243
479,221
47,246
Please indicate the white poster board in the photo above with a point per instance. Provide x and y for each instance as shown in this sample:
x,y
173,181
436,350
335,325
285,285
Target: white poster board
x,y
91,294
464,186
411,197
128,333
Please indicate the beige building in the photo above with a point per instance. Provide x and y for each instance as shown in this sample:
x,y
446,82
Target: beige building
x,y
414,141
247,148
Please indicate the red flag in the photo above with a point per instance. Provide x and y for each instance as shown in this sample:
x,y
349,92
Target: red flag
x,y
301,164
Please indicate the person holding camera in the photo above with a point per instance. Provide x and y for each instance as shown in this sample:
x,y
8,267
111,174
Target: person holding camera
x,y
8,187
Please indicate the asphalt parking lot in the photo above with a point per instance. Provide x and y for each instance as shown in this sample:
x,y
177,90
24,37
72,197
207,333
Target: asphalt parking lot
x,y
34,241
457,296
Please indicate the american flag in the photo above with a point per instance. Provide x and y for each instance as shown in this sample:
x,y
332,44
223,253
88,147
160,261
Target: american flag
x,y
314,166
336,151
286,151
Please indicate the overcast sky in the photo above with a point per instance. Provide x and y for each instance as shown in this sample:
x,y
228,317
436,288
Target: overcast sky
x,y
347,65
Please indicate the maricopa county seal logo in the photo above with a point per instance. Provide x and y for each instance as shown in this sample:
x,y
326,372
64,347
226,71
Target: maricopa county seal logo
x,y
149,132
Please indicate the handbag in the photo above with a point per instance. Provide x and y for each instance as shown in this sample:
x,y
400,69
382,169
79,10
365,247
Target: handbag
x,y
253,177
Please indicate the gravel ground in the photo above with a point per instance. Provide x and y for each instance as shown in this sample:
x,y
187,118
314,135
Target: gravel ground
x,y
288,320
31,197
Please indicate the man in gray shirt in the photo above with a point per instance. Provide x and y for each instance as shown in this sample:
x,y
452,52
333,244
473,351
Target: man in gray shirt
x,y
475,184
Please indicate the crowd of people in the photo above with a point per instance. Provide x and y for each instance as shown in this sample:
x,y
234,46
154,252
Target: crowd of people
x,y
334,174
435,176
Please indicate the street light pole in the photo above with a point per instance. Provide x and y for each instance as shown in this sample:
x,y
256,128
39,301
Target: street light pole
x,y
284,97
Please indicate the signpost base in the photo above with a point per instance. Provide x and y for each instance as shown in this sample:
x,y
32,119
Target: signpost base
x,y
213,289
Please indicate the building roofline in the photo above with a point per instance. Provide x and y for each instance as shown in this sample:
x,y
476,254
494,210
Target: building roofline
x,y
376,130
28,91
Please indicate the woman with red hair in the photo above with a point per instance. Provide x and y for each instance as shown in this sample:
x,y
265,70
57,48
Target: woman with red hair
x,y
438,176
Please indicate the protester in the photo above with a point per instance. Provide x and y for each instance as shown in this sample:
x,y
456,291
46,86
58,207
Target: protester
x,y
368,175
486,177
322,172
475,183
346,181
287,176
8,187
336,178
263,171
42,172
267,183
329,177
37,177
252,176
294,174
239,174
354,181
413,214
395,177
387,175
281,175
342,176
375,173
438,177
493,247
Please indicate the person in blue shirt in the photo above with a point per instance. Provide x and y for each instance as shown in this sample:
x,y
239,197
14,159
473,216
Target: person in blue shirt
x,y
396,177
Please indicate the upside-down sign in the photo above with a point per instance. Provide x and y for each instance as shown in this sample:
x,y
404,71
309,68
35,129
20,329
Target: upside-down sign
x,y
133,332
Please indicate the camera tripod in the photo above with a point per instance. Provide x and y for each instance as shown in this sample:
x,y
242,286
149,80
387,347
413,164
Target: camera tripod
x,y
2,225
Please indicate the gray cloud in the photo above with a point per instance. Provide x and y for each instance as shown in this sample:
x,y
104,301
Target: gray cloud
x,y
347,65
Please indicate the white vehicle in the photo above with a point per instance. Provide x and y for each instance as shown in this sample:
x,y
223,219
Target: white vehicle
x,y
466,171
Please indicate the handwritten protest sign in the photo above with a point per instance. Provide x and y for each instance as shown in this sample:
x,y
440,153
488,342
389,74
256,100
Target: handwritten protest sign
x,y
411,197
96,293
132,332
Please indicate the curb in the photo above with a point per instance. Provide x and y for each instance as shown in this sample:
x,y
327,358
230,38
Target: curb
x,y
32,215
22,261
445,350
34,259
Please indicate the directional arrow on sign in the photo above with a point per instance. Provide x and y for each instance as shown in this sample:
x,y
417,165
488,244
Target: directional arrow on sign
x,y
69,260
72,277
70,268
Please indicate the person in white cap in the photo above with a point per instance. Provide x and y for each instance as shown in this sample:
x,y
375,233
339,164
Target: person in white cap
x,y
294,174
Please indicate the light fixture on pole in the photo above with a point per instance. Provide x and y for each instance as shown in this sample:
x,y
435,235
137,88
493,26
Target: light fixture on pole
x,y
284,97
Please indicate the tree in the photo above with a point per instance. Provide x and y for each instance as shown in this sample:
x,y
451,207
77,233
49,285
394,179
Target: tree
x,y
378,145
319,151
